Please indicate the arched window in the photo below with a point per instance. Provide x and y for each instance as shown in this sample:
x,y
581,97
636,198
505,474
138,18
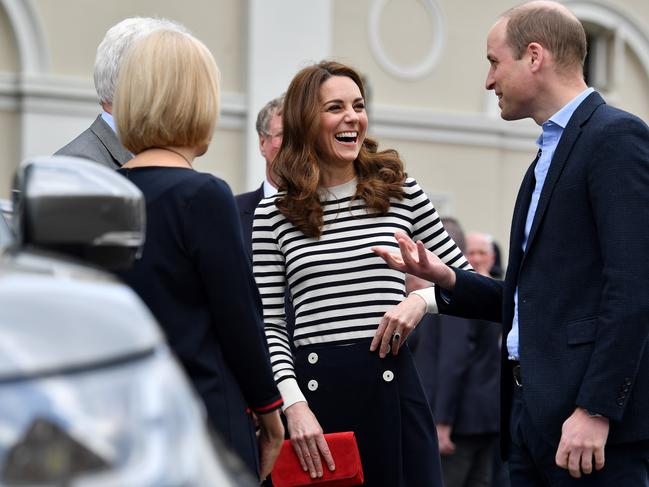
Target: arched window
x,y
29,35
604,58
610,32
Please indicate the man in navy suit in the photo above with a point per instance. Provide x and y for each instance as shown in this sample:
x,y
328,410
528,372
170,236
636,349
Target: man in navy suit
x,y
269,129
575,300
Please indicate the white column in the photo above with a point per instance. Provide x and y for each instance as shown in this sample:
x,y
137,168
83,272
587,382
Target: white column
x,y
283,36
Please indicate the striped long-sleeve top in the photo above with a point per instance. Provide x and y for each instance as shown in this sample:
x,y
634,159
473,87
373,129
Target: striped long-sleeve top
x,y
340,289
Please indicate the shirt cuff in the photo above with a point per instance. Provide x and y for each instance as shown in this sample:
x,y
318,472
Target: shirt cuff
x,y
428,295
290,392
269,408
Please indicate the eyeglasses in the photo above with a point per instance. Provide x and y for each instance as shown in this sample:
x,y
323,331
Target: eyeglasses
x,y
277,135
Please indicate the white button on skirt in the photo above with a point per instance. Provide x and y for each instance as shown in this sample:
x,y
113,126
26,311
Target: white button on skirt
x,y
388,375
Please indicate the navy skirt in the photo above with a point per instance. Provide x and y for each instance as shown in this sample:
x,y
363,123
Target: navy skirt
x,y
350,388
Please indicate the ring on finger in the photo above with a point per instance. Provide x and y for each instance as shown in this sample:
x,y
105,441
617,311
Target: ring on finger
x,y
396,336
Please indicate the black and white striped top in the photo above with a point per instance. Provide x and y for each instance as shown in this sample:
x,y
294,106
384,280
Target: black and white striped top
x,y
340,289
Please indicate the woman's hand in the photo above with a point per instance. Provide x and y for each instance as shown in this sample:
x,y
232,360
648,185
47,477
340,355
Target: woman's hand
x,y
415,259
307,439
270,437
397,324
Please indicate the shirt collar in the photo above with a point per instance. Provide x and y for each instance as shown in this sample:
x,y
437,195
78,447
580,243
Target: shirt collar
x,y
562,117
108,118
559,120
269,189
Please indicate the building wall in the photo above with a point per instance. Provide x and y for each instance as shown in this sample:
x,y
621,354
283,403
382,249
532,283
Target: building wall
x,y
8,52
634,95
64,102
442,120
9,153
72,43
9,118
454,85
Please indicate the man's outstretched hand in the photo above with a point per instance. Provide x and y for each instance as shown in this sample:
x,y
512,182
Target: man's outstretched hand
x,y
415,259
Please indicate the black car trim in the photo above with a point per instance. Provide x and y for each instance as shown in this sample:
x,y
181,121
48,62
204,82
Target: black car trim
x,y
80,368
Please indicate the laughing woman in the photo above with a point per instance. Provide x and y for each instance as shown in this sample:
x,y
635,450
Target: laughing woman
x,y
352,370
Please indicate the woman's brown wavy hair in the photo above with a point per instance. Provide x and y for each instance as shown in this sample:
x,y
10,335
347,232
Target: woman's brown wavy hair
x,y
380,174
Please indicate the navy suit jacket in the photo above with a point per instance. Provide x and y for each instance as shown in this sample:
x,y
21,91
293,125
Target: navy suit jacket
x,y
583,281
247,202
459,363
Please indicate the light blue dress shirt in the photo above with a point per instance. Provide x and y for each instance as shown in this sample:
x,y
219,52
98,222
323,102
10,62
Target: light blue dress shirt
x,y
108,118
269,189
547,142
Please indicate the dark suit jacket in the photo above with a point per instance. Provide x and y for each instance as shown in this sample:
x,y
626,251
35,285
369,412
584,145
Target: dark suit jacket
x,y
459,363
247,202
98,143
195,277
583,282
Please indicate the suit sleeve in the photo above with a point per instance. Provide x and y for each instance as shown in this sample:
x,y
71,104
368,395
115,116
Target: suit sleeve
x,y
214,236
474,296
619,188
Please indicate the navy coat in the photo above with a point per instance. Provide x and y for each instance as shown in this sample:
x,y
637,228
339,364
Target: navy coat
x,y
246,203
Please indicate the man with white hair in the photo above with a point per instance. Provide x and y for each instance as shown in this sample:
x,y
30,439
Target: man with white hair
x,y
99,142
480,252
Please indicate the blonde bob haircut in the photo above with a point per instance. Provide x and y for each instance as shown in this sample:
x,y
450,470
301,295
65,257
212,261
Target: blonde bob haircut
x,y
167,93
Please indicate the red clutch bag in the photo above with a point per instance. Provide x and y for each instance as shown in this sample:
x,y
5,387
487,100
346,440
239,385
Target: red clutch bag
x,y
287,471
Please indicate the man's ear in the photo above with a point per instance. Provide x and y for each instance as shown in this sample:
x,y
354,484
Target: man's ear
x,y
261,145
536,55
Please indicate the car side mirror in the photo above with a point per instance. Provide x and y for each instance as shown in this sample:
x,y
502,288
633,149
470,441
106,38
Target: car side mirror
x,y
79,208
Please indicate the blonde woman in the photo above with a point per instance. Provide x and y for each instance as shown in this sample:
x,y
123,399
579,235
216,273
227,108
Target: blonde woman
x,y
194,273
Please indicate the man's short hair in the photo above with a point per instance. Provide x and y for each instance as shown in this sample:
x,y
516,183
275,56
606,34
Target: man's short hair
x,y
557,31
273,107
167,93
114,46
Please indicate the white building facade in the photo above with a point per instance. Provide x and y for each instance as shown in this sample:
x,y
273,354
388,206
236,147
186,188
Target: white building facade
x,y
424,61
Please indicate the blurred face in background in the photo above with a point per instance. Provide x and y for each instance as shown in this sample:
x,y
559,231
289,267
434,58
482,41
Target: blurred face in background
x,y
480,252
269,143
